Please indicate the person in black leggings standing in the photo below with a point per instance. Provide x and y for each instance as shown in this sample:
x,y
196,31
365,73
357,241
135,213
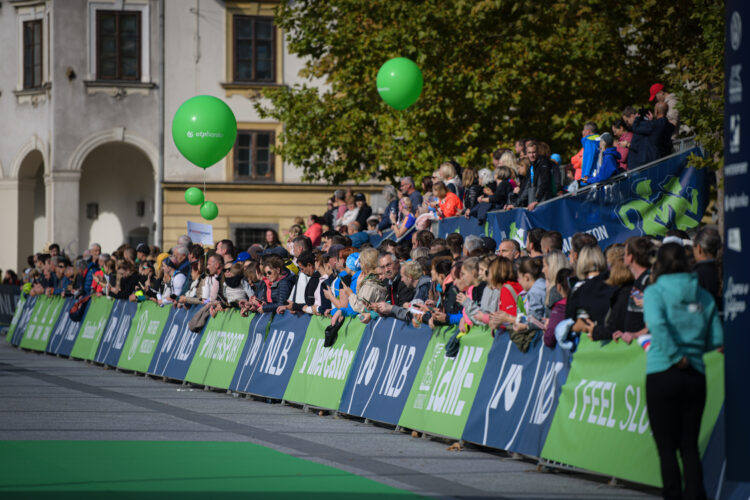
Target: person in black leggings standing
x,y
684,323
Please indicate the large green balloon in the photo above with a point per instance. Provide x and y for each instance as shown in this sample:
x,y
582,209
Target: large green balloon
x,y
194,196
400,82
204,130
209,210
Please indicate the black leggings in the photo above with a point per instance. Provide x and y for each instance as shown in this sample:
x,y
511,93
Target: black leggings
x,y
675,400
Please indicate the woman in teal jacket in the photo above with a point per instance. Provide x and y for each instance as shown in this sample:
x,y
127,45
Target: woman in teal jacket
x,y
684,324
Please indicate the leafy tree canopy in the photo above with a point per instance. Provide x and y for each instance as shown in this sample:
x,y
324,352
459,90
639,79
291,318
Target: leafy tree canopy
x,y
494,71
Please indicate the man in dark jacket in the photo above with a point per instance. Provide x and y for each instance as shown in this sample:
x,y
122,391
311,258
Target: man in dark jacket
x,y
540,176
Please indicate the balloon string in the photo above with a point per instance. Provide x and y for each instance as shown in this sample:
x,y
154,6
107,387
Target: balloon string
x,y
204,184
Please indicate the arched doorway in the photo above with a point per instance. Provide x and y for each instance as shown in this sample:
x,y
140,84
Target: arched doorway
x,y
116,197
32,207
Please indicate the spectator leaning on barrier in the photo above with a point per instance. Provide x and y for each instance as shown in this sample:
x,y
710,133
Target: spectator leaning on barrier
x,y
622,142
557,313
590,298
607,161
684,324
182,269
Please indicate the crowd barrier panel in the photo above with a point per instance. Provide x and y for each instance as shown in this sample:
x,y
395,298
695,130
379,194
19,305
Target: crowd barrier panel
x,y
9,297
668,194
538,403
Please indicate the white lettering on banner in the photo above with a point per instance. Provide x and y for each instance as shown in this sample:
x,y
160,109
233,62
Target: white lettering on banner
x,y
368,367
597,406
326,362
30,331
734,201
450,382
734,299
545,396
734,133
147,346
26,316
510,386
222,346
166,346
140,328
89,331
735,84
735,169
734,239
185,346
276,356
122,332
47,331
70,330
111,327
598,232
395,377
252,353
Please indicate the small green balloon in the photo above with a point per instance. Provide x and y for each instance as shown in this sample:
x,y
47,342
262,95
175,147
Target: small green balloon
x,y
209,210
204,130
194,196
400,82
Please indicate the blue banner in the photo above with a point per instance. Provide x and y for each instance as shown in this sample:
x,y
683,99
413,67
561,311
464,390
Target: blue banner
x,y
23,321
517,396
280,352
251,353
9,296
384,370
65,332
650,201
176,346
115,332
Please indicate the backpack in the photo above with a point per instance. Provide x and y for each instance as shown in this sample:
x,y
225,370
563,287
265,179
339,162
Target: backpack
x,y
371,290
79,309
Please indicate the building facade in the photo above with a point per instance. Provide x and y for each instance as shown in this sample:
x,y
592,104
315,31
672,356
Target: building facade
x,y
86,153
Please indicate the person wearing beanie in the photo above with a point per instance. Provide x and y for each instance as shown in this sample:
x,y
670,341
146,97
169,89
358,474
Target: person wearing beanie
x,y
609,158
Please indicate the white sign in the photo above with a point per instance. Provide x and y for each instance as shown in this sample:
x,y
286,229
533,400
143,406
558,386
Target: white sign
x,y
200,233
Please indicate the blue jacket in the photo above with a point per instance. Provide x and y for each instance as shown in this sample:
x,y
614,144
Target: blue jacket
x,y
608,168
682,320
590,145
385,220
89,277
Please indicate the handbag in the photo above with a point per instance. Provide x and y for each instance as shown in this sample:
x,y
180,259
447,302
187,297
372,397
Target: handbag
x,y
79,309
199,319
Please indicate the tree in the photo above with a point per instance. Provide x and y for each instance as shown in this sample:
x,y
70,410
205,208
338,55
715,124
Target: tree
x,y
494,71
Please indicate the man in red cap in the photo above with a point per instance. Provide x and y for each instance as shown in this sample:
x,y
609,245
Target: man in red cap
x,y
673,115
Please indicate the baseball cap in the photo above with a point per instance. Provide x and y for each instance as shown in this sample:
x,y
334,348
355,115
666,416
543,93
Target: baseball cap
x,y
242,257
655,89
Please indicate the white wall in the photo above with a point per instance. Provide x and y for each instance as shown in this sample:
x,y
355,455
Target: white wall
x,y
115,176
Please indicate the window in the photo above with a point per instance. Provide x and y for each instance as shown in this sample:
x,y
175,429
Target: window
x,y
118,45
253,159
254,49
32,54
246,236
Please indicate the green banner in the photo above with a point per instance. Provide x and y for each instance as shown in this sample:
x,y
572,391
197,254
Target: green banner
x,y
219,350
41,323
320,373
16,317
143,336
443,392
92,328
601,422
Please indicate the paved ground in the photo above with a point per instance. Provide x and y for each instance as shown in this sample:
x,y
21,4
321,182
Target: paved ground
x,y
44,397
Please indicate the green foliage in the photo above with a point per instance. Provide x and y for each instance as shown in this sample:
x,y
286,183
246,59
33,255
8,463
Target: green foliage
x,y
494,71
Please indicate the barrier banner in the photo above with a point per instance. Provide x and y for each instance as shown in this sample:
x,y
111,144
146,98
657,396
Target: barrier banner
x,y
15,334
650,201
64,334
444,390
9,297
177,345
251,353
16,317
41,323
384,370
320,373
517,396
602,407
116,330
280,351
219,350
92,328
145,330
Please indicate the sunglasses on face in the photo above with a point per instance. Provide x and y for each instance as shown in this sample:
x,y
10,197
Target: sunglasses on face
x,y
269,273
61,266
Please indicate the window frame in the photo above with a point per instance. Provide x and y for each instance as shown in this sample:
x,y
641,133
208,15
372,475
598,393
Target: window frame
x,y
271,177
274,51
34,84
139,47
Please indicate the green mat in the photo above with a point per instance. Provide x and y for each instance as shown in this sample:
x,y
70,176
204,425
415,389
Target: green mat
x,y
159,469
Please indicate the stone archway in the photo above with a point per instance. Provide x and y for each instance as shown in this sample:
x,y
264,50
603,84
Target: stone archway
x,y
32,229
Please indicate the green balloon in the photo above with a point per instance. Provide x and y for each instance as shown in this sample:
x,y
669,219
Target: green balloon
x,y
194,196
204,130
400,82
209,210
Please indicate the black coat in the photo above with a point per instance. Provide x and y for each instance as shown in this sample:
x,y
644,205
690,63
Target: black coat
x,y
708,279
615,319
593,296
310,288
364,213
542,179
471,193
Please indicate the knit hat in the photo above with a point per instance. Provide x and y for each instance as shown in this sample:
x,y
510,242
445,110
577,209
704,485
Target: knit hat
x,y
607,138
